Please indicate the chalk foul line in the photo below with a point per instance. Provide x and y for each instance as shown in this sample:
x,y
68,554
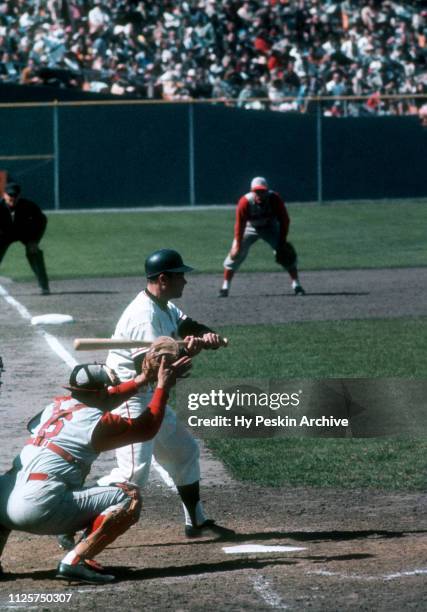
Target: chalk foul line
x,y
405,574
263,588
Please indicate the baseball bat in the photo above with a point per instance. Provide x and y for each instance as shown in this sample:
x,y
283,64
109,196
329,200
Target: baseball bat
x,y
95,344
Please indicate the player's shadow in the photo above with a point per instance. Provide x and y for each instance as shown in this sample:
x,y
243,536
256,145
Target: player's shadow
x,y
34,575
173,571
334,293
316,294
328,559
243,563
314,536
300,536
85,292
124,572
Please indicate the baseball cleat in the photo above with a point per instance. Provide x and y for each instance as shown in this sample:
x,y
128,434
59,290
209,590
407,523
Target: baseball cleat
x,y
299,290
82,573
45,291
66,541
223,293
209,527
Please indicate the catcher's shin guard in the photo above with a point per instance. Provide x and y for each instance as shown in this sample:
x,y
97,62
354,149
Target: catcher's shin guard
x,y
36,261
109,525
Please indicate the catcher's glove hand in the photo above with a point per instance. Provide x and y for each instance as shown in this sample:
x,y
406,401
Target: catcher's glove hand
x,y
162,346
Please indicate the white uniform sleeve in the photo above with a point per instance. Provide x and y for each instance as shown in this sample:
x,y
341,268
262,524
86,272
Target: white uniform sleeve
x,y
177,315
144,320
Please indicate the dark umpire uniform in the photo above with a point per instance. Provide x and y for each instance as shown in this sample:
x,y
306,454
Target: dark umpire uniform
x,y
22,220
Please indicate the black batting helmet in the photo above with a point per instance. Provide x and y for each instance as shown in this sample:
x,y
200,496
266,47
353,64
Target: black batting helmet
x,y
164,260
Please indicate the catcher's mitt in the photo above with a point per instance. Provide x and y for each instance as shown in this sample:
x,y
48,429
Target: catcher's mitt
x,y
162,346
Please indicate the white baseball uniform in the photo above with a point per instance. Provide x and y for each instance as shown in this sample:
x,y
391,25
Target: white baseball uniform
x,y
174,447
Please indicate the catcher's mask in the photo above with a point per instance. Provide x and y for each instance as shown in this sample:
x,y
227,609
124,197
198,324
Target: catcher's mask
x,y
92,377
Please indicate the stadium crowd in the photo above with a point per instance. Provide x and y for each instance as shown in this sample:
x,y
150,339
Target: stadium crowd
x,y
231,49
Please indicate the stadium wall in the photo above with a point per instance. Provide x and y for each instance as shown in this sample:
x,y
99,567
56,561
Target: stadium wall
x,y
73,155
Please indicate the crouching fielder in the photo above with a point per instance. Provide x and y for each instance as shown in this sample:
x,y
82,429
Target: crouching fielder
x,y
261,213
42,493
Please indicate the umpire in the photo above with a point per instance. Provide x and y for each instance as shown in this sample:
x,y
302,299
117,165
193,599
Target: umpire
x,y
22,220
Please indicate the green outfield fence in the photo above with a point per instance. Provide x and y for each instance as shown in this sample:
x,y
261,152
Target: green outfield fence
x,y
139,153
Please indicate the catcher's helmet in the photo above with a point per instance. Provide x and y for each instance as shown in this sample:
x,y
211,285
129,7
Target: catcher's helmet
x,y
89,377
164,260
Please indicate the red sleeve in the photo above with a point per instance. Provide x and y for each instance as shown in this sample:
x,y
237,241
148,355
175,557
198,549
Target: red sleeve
x,y
114,431
121,393
241,219
281,213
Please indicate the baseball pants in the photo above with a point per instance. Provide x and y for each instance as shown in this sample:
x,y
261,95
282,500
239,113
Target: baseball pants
x,y
269,233
174,448
50,507
35,258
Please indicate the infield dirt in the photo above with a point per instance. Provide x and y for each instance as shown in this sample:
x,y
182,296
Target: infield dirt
x,y
361,549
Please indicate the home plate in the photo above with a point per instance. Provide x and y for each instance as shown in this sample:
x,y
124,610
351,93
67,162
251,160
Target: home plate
x,y
51,319
258,548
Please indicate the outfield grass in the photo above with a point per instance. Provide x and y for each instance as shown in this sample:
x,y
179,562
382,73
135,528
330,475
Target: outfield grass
x,y
381,348
378,463
372,348
359,235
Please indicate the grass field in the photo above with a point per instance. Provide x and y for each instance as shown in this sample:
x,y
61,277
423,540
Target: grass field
x,y
341,349
379,463
359,235
322,349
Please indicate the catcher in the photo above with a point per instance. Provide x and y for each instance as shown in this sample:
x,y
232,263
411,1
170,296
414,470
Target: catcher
x,y
42,493
261,213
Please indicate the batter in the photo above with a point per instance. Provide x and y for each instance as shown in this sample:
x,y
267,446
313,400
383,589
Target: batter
x,y
150,315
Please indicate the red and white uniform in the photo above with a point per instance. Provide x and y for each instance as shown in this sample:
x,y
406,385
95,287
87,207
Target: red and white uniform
x,y
42,492
269,221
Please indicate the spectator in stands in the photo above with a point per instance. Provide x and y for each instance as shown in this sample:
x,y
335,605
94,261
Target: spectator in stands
x,y
213,48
